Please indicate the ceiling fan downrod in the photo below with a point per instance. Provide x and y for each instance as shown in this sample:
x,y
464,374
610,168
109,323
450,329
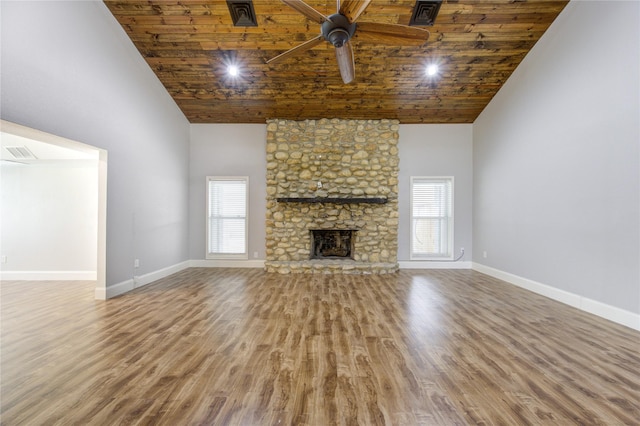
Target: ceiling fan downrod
x,y
337,30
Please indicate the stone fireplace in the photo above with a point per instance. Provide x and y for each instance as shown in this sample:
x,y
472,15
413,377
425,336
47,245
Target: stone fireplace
x,y
332,189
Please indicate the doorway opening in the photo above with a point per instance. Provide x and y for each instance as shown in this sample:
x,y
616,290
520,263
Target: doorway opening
x,y
54,193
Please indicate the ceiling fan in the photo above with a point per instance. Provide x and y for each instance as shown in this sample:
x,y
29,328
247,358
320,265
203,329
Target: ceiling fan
x,y
338,29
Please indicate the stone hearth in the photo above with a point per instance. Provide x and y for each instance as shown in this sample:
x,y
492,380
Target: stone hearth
x,y
332,174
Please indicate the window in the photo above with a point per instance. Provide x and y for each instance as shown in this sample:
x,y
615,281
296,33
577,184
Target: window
x,y
227,217
431,217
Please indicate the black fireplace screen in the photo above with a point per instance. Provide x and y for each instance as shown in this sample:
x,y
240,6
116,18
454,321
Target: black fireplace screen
x,y
332,243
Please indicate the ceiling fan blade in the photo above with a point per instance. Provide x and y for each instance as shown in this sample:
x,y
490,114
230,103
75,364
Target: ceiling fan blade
x,y
346,62
306,10
391,34
298,49
352,9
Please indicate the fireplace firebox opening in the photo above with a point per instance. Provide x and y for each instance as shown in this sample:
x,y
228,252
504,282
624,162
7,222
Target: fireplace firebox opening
x,y
333,243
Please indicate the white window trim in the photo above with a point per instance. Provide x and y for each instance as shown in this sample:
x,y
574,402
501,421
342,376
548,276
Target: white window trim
x,y
451,240
238,256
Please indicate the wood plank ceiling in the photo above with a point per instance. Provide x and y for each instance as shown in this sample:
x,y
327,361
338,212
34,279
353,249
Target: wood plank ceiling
x,y
188,44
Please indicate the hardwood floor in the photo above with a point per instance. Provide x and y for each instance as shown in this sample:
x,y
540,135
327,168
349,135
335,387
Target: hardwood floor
x,y
232,346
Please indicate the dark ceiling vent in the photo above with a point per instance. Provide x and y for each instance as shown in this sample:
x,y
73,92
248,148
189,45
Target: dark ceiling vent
x,y
425,12
242,13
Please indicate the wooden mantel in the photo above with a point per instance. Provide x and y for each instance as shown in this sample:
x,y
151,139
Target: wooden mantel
x,y
335,200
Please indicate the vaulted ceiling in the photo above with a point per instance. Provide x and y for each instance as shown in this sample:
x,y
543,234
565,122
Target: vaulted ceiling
x,y
477,44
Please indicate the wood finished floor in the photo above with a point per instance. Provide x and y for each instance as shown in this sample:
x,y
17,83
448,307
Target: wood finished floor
x,y
232,346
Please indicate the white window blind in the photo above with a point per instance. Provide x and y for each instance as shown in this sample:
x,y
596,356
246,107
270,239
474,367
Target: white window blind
x,y
432,217
227,217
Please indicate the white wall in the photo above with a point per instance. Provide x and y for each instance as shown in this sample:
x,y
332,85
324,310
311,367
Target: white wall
x,y
69,69
556,160
49,218
228,150
436,150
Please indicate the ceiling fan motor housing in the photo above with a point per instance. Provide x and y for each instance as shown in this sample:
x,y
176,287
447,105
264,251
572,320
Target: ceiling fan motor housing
x,y
337,30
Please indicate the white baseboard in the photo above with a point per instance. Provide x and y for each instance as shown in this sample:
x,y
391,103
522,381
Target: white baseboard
x,y
139,281
226,263
611,313
48,275
101,293
104,293
209,263
422,264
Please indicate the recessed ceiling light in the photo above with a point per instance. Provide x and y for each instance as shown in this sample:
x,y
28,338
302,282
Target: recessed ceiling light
x,y
233,70
431,70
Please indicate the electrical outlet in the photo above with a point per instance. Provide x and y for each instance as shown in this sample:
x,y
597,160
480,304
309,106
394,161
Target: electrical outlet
x,y
484,254
136,263
255,254
3,259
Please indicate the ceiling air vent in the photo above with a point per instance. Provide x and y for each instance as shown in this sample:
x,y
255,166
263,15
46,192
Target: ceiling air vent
x,y
424,13
242,13
20,152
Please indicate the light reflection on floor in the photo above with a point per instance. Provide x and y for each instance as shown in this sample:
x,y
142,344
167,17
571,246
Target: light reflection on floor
x,y
423,310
